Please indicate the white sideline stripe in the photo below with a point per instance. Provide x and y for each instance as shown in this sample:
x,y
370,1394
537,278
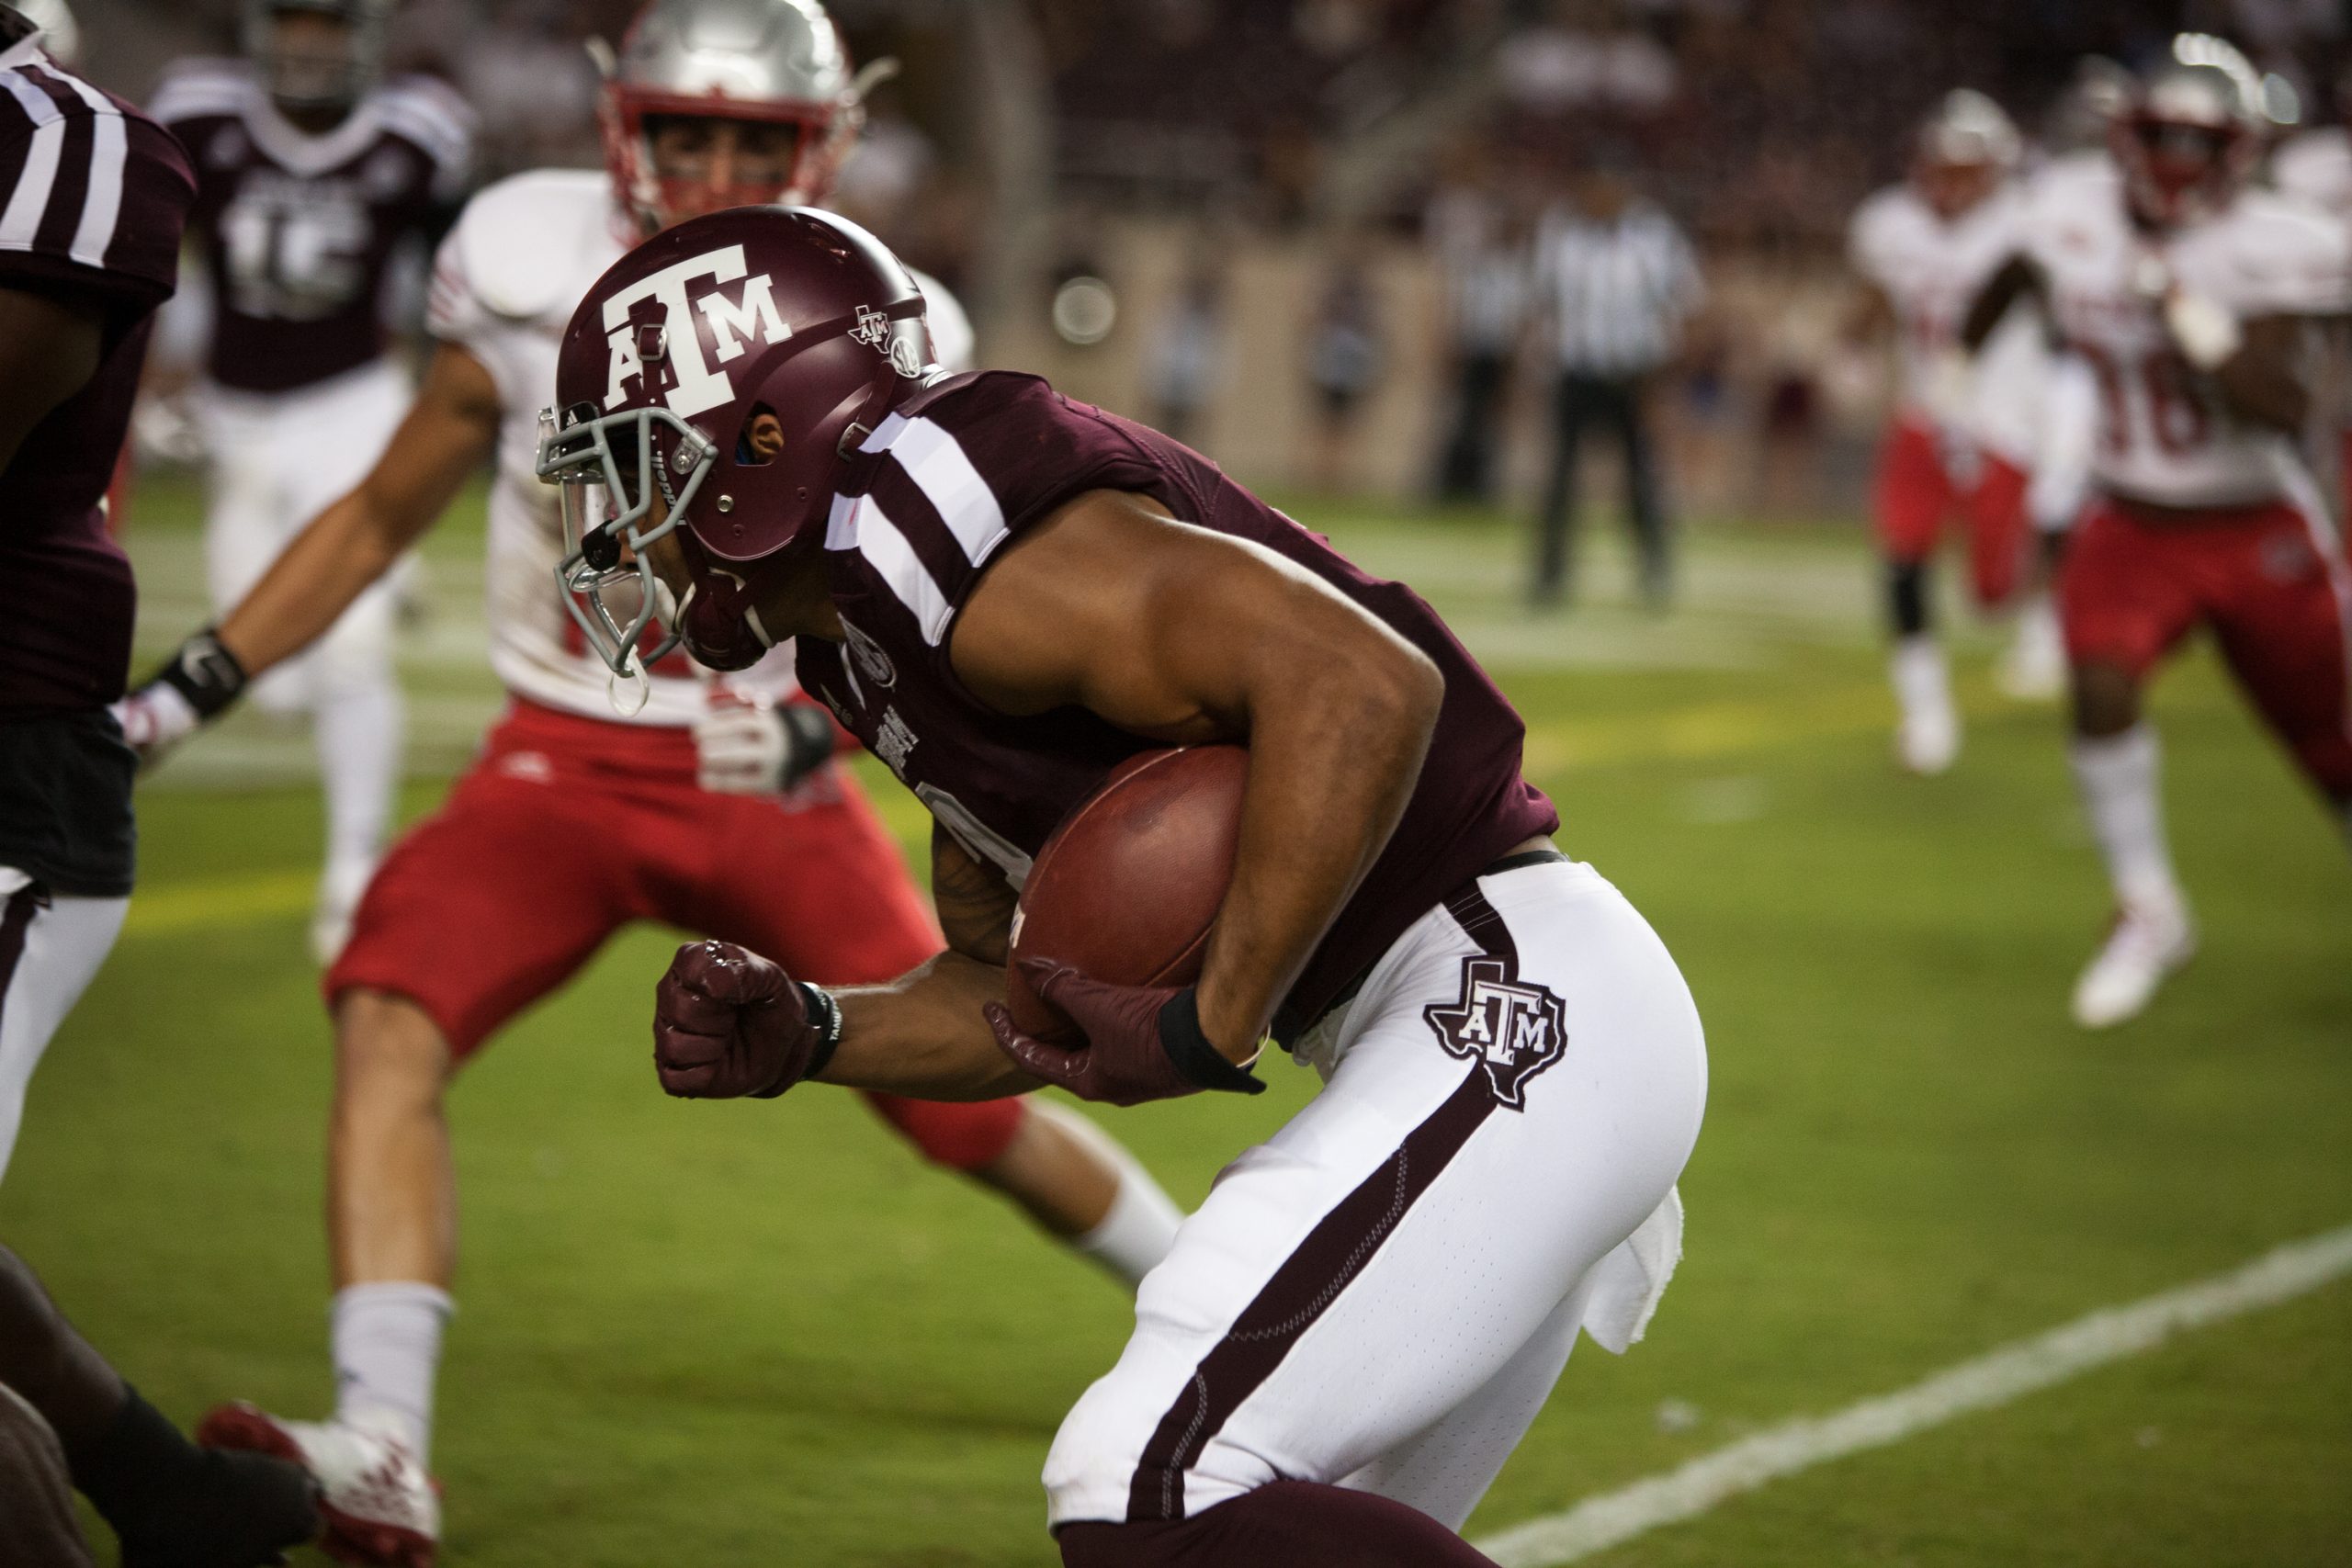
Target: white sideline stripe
x,y
1993,1379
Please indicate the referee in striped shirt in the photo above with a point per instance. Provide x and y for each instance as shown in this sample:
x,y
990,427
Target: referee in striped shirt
x,y
1615,282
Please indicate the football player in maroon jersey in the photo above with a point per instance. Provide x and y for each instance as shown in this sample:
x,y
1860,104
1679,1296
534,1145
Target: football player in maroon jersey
x,y
92,198
1005,594
314,174
488,905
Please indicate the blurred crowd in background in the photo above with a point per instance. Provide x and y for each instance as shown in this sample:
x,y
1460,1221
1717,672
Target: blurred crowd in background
x,y
1308,235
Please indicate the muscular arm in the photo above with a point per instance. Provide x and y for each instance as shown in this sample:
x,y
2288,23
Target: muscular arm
x,y
2263,380
2018,278
922,1033
449,430
48,351
1185,635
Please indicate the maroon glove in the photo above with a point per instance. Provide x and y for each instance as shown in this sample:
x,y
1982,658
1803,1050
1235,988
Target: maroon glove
x,y
1142,1042
727,1023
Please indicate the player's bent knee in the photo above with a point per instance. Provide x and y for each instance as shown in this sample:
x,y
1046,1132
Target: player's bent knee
x,y
2107,699
967,1137
383,1035
1280,1525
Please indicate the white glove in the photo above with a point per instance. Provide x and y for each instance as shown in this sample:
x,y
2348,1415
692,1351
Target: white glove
x,y
154,718
757,748
2204,331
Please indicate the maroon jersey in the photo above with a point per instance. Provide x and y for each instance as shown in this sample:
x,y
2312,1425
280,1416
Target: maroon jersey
x,y
969,464
92,197
298,231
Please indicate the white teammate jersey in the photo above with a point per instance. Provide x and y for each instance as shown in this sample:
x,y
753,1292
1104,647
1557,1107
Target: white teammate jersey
x,y
1929,270
505,285
2164,436
2316,166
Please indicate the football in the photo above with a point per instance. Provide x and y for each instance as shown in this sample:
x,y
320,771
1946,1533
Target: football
x,y
1129,885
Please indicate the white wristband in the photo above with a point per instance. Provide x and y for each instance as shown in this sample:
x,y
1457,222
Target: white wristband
x,y
2205,333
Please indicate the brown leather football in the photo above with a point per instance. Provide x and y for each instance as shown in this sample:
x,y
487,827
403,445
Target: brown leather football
x,y
1129,885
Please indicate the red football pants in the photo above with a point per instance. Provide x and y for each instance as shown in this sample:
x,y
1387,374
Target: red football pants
x,y
1917,494
2267,579
567,829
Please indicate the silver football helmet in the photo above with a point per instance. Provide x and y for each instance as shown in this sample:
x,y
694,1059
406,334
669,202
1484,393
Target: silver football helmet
x,y
768,62
332,78
1969,128
2188,140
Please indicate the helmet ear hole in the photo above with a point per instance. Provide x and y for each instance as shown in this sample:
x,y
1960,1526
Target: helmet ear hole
x,y
761,440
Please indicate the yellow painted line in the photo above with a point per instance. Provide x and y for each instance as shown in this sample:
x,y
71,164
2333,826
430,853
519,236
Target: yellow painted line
x,y
247,898
1695,732
1701,731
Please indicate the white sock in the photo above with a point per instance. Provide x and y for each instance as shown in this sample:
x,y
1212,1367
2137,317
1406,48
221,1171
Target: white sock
x,y
2117,776
358,736
1922,683
387,1342
1140,1229
1140,1226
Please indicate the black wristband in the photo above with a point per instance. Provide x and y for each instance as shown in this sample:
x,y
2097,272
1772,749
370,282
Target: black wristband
x,y
826,1014
807,740
1198,1062
205,673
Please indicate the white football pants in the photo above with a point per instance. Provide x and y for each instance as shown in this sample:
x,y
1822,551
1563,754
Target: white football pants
x,y
1382,1294
277,461
49,947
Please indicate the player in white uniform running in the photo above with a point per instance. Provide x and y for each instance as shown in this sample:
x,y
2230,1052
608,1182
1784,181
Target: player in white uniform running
x,y
313,177
709,799
1961,441
2192,298
2315,166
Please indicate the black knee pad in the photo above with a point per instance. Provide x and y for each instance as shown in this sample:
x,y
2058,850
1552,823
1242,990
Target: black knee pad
x,y
1906,596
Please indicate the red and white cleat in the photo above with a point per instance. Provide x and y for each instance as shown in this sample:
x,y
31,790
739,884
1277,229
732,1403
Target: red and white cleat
x,y
379,1508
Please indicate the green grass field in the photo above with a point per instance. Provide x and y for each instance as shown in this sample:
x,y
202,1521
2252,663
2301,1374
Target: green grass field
x,y
760,1333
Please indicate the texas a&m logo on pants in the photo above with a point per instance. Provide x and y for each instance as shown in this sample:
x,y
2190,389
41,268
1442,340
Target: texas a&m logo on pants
x,y
1514,1031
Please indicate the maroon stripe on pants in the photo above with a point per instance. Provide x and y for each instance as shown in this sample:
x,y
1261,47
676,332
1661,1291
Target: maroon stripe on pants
x,y
1311,1278
22,906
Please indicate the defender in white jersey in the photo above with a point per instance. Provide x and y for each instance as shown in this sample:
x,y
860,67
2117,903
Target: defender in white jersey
x,y
2315,166
2192,298
313,178
710,799
1960,444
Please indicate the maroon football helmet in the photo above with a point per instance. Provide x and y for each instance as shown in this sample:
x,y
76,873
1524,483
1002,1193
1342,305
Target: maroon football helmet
x,y
709,388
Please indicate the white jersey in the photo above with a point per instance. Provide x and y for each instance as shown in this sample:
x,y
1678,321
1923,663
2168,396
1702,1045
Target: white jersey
x,y
505,285
2164,436
1929,268
2316,166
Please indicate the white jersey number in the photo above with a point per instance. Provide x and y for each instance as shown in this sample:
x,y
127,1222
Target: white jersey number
x,y
293,262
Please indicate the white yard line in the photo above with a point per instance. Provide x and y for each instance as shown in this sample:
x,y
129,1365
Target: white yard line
x,y
1993,1379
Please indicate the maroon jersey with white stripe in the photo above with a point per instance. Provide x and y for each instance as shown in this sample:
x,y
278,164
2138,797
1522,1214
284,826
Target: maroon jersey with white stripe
x,y
965,467
92,198
297,230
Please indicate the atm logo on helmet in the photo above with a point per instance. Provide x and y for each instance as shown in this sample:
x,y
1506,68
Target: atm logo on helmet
x,y
750,317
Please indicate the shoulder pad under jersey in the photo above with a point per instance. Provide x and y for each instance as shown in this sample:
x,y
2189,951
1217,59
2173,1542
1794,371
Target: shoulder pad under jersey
x,y
2285,256
429,113
2316,166
524,242
201,88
